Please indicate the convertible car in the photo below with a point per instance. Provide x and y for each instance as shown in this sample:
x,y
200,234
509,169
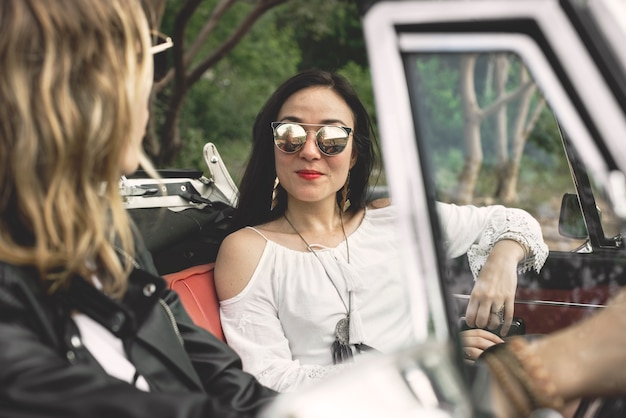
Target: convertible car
x,y
513,102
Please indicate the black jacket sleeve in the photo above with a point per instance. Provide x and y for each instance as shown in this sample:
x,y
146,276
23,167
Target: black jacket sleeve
x,y
39,377
218,366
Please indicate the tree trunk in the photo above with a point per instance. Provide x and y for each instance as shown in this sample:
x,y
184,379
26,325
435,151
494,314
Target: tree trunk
x,y
502,140
171,142
472,118
154,10
164,147
522,129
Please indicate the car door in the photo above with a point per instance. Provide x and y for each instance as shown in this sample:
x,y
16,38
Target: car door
x,y
508,104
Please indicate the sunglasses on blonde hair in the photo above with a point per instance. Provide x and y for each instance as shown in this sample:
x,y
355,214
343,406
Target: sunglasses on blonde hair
x,y
160,42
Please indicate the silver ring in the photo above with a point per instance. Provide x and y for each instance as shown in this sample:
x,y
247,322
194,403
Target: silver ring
x,y
499,313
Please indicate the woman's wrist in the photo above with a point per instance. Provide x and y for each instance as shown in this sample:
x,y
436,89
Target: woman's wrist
x,y
508,247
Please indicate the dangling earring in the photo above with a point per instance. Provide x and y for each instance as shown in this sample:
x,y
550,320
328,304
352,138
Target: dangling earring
x,y
275,194
345,202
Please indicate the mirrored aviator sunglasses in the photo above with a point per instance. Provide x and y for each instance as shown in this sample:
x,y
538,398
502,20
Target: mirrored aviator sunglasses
x,y
290,137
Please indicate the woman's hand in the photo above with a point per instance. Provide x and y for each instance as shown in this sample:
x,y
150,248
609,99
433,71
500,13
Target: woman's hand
x,y
492,299
475,341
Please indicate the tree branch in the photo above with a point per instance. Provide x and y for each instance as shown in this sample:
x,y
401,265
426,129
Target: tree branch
x,y
243,28
208,28
533,118
471,110
154,10
504,100
180,25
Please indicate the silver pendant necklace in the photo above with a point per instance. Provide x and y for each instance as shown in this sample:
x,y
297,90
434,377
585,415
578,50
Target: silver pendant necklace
x,y
341,347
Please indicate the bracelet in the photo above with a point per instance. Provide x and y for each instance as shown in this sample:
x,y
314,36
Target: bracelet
x,y
522,377
539,382
512,389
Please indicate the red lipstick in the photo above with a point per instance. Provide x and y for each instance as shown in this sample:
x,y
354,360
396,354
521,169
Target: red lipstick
x,y
309,174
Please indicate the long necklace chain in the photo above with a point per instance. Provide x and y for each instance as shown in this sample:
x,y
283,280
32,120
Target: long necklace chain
x,y
348,305
345,237
340,349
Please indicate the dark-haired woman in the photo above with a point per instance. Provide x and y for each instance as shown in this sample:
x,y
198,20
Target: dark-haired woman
x,y
312,275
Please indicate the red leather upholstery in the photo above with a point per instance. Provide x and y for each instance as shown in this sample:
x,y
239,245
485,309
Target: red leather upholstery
x,y
196,289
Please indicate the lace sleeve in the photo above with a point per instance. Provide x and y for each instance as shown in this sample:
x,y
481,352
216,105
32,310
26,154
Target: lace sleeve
x,y
512,224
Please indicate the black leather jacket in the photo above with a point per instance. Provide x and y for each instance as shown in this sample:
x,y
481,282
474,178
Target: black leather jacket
x,y
45,371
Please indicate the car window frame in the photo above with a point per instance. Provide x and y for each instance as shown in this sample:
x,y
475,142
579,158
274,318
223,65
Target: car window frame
x,y
393,30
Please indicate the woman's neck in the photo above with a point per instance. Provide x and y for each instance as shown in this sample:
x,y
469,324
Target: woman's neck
x,y
317,218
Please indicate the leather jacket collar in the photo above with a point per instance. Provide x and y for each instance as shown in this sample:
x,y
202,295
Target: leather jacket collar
x,y
123,318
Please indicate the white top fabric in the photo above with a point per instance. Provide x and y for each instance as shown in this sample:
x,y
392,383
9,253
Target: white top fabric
x,y
106,348
283,322
108,351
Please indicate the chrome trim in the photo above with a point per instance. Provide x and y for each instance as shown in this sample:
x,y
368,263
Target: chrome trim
x,y
543,302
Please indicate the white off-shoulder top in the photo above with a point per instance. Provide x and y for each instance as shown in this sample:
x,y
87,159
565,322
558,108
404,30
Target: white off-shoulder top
x,y
283,322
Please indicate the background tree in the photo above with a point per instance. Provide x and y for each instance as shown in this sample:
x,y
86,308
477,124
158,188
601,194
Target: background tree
x,y
474,115
481,115
192,56
228,56
509,161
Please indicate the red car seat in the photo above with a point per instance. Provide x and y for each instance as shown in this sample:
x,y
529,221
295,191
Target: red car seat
x,y
196,289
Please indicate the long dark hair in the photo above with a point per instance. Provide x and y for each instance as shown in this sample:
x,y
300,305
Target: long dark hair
x,y
255,190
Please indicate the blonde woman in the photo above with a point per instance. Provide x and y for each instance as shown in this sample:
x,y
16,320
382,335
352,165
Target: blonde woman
x,y
87,329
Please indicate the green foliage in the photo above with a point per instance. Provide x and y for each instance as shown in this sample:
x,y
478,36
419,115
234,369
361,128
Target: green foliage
x,y
328,32
447,166
361,79
438,98
222,106
543,136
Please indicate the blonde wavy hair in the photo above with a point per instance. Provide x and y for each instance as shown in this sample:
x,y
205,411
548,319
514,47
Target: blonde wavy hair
x,y
70,76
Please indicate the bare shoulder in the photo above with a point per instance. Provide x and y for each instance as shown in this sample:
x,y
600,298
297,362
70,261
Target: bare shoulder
x,y
379,203
237,259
